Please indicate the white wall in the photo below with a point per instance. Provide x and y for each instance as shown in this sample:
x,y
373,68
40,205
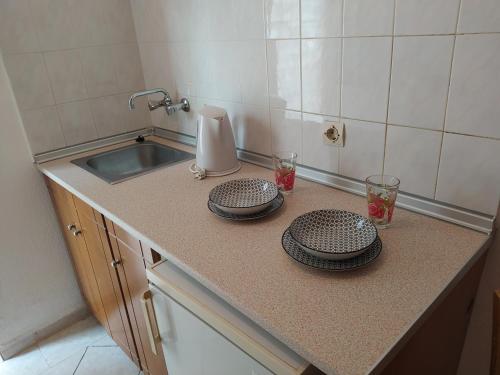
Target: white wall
x,y
415,82
73,65
37,282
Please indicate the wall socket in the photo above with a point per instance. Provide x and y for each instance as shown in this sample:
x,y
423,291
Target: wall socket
x,y
334,134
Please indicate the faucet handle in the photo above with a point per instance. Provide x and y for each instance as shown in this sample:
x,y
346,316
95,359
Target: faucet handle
x,y
155,104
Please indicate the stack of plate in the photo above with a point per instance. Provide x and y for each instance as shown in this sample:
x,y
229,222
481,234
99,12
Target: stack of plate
x,y
332,240
245,199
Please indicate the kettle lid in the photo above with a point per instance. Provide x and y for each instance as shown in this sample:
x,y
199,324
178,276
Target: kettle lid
x,y
213,112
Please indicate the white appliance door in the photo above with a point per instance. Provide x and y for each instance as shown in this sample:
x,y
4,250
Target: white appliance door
x,y
192,347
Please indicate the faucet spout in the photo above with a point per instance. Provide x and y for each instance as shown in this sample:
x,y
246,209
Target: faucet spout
x,y
131,101
166,102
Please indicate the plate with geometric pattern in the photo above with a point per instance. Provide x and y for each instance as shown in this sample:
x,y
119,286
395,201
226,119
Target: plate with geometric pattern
x,y
333,234
244,196
274,206
298,254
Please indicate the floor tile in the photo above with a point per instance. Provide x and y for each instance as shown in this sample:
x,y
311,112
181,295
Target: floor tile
x,y
104,341
106,361
67,366
71,340
28,362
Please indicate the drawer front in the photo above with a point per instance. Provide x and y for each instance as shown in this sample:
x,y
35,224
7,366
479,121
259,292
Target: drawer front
x,y
124,238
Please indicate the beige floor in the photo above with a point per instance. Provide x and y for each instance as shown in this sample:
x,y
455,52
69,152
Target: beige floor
x,y
82,349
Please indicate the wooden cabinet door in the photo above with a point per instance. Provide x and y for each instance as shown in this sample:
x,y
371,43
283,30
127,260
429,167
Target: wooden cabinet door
x,y
133,279
71,229
114,307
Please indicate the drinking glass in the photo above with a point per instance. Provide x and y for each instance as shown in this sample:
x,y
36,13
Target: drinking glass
x,y
381,191
284,170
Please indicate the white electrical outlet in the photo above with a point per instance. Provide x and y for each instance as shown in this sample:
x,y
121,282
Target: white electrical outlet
x,y
334,134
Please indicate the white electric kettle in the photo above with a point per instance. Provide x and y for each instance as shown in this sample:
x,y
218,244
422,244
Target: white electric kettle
x,y
215,150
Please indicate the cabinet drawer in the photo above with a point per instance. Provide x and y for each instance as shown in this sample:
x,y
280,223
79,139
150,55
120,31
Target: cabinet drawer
x,y
124,238
85,210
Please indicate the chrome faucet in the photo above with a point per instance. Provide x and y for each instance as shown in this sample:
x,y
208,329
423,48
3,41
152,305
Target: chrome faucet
x,y
166,102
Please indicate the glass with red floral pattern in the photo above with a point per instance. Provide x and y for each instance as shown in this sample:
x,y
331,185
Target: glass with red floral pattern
x,y
381,191
284,170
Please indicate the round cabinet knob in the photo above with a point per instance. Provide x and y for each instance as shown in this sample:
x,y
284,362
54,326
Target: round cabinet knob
x,y
116,263
71,226
76,232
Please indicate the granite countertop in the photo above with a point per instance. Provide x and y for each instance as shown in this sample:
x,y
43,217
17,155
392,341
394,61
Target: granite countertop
x,y
343,323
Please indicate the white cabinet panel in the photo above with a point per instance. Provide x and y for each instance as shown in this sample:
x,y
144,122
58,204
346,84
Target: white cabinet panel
x,y
192,347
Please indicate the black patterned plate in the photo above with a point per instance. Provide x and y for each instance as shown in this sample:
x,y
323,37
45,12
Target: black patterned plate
x,y
244,196
298,254
333,234
275,205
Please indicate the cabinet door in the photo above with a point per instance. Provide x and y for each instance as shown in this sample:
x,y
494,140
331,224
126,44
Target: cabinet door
x,y
133,279
71,229
113,304
193,347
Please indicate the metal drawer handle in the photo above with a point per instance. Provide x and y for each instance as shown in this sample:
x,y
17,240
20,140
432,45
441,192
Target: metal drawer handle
x,y
116,263
76,232
149,314
71,227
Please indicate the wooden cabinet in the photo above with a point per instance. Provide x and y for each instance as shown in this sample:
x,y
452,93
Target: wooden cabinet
x,y
110,267
131,269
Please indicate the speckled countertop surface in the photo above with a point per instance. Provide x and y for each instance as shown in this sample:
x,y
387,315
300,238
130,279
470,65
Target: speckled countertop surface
x,y
343,323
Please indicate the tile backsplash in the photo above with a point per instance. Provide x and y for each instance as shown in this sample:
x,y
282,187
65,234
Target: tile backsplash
x,y
416,82
72,65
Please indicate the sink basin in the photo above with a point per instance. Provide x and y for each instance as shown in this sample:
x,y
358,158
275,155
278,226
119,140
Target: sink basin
x,y
130,161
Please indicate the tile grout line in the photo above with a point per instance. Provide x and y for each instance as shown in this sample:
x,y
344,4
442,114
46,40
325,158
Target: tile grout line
x,y
266,41
447,98
341,80
80,361
300,156
389,88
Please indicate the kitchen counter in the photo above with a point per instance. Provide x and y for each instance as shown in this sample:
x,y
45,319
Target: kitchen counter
x,y
343,323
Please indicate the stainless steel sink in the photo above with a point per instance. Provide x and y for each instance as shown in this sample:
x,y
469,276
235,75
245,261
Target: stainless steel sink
x,y
130,161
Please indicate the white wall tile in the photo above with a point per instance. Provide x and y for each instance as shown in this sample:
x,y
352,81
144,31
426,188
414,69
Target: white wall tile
x,y
128,68
115,17
420,79
250,21
368,17
225,73
76,122
363,151
60,24
321,63
253,72
412,155
154,58
17,33
29,80
286,129
252,128
66,75
43,129
414,17
112,69
282,18
283,66
150,19
109,116
473,106
479,16
316,152
321,18
469,173
365,84
139,117
99,70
